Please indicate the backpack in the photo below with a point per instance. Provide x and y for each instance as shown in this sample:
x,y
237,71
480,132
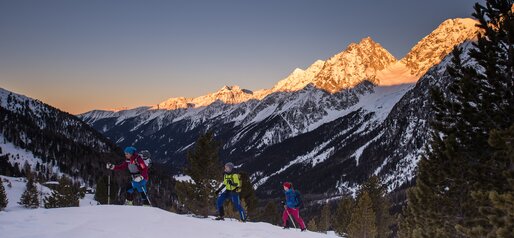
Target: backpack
x,y
298,197
145,155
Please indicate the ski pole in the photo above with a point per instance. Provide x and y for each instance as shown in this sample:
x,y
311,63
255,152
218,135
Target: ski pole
x,y
146,194
290,217
108,189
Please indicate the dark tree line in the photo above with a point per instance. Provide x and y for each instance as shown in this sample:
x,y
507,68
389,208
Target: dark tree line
x,y
464,186
206,171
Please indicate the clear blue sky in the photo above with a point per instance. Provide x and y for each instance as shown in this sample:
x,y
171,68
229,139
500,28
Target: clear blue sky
x,y
81,55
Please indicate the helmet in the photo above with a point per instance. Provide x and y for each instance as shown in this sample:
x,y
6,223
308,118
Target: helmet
x,y
229,166
130,150
288,185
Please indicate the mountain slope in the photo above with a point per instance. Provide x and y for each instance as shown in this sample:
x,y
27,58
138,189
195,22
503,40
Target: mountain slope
x,y
326,128
111,221
40,134
348,68
434,47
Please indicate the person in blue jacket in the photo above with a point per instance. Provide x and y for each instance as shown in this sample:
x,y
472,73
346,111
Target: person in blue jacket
x,y
292,206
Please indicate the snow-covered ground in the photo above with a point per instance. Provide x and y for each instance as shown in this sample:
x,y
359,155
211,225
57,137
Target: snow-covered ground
x,y
90,220
17,187
131,221
14,187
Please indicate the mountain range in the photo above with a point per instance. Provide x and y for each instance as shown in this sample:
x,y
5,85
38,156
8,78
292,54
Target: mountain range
x,y
326,128
51,142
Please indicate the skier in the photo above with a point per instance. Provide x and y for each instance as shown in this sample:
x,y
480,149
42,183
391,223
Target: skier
x,y
139,172
292,206
232,185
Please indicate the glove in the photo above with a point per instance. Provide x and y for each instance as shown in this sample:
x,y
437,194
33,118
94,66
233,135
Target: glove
x,y
109,166
138,178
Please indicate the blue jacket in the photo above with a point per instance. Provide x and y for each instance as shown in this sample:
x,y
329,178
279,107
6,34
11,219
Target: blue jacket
x,y
291,199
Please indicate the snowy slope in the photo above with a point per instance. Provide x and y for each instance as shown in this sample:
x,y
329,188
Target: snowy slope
x,y
46,117
434,47
299,78
15,186
396,74
18,156
52,142
127,221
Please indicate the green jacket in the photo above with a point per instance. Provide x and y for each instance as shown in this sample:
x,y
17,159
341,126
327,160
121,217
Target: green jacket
x,y
232,182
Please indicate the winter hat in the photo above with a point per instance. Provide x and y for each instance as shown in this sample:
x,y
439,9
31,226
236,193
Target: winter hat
x,y
130,150
230,166
288,185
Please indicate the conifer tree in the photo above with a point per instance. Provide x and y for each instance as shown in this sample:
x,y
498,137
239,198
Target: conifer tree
x,y
312,226
205,170
101,192
362,223
247,195
271,214
30,197
446,200
325,218
497,209
3,196
381,206
343,216
65,195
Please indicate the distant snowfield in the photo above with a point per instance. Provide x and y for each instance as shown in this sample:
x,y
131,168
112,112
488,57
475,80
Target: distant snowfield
x,y
396,74
22,156
131,221
18,155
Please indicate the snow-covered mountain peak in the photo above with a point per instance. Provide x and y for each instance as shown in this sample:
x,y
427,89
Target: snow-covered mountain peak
x,y
174,104
434,47
360,61
297,71
299,78
227,94
226,89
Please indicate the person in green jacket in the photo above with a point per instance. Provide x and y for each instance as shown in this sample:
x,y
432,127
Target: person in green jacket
x,y
230,190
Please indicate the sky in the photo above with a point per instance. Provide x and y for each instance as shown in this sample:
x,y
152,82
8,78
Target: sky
x,y
103,54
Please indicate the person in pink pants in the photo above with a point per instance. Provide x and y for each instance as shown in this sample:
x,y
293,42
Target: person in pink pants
x,y
292,206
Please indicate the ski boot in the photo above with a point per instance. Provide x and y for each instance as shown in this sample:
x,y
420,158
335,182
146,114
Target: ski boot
x,y
219,218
